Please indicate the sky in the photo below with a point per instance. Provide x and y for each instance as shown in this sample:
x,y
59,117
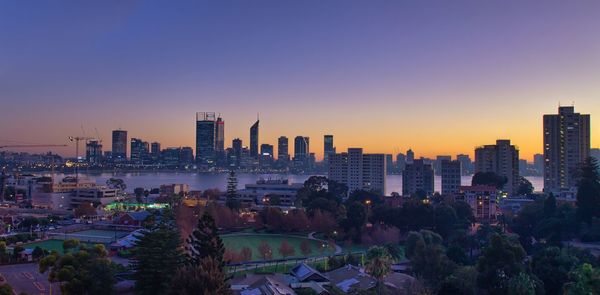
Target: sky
x,y
440,77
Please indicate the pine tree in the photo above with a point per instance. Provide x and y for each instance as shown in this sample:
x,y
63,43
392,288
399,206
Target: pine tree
x,y
232,182
205,278
205,242
157,256
588,192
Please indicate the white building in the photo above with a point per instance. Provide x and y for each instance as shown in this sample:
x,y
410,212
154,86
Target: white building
x,y
263,192
99,195
358,171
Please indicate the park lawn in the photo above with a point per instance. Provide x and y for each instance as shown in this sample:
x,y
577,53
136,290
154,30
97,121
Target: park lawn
x,y
56,245
237,242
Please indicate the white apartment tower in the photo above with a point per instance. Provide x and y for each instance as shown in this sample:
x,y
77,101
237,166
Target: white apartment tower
x,y
358,171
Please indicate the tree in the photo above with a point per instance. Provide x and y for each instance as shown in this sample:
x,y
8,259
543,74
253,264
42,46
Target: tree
x,y
500,261
84,209
139,192
37,252
266,253
232,200
525,188
155,260
206,278
489,178
205,241
429,261
246,254
87,271
583,280
305,247
445,219
378,264
552,266
461,281
588,192
6,289
70,244
521,284
286,249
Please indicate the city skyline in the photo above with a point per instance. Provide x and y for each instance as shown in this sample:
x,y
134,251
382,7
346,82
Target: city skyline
x,y
147,67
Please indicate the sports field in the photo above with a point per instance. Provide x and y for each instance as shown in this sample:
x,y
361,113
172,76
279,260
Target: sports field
x,y
49,245
237,242
93,236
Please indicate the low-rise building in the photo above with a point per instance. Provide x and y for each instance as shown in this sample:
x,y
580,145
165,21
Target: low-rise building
x,y
483,199
263,192
99,195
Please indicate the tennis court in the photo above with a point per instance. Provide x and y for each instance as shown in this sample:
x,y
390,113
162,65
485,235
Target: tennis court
x,y
92,236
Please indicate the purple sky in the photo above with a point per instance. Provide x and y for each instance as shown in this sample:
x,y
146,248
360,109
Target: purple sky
x,y
440,77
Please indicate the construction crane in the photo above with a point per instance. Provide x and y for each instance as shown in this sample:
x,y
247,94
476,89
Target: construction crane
x,y
77,139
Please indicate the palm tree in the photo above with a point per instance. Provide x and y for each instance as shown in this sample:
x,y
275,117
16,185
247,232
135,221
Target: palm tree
x,y
379,264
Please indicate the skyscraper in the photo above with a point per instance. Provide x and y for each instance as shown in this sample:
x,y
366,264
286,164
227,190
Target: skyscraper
x,y
328,148
358,171
438,164
566,145
282,149
538,164
400,162
466,164
236,144
417,177
155,151
205,139
139,151
93,152
220,135
119,145
451,174
502,159
254,140
410,156
301,153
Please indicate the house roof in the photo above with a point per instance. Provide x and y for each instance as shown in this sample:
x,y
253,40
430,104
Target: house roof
x,y
350,277
139,215
303,272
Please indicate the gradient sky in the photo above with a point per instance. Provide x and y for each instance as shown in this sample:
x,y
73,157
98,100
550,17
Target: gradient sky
x,y
440,77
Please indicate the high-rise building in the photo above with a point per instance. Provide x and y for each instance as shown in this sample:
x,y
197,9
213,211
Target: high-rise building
x,y
93,152
389,164
538,164
301,147
410,156
237,146
254,140
358,171
328,148
451,175
301,153
417,177
466,164
566,145
400,162
266,155
155,151
119,145
139,151
437,169
205,139
502,159
282,149
220,135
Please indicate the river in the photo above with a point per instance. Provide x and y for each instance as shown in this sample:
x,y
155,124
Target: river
x,y
202,181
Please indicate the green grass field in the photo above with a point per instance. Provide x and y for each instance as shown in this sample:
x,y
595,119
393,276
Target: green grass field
x,y
56,245
237,242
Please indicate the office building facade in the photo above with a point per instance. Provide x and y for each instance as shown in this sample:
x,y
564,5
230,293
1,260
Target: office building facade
x,y
205,139
254,140
119,145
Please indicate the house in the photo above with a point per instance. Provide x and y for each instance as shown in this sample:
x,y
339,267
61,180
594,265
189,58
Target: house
x,y
263,284
350,279
133,218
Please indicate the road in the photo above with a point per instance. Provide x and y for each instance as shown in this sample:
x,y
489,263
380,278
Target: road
x,y
26,278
